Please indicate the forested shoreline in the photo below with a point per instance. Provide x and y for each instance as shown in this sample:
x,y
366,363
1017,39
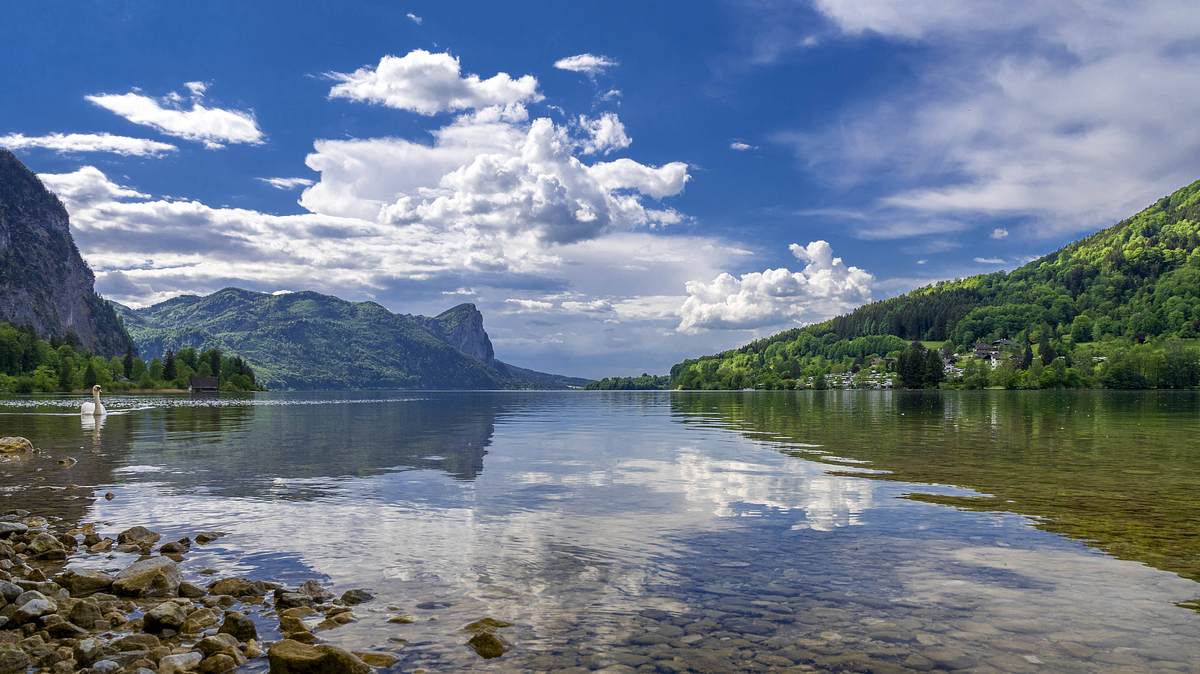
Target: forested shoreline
x,y
1117,309
32,365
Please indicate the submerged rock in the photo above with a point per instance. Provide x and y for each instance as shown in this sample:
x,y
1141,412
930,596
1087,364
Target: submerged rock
x,y
356,597
486,625
138,536
285,600
154,577
489,645
374,659
313,589
336,620
15,445
174,548
292,657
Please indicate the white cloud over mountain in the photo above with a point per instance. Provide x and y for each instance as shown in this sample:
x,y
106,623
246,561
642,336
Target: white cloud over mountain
x,y
67,143
428,83
493,201
87,187
825,287
214,127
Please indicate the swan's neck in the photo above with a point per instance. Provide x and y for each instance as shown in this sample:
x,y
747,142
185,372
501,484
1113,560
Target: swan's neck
x,y
96,408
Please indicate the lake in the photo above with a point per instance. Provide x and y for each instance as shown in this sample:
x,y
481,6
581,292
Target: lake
x,y
666,531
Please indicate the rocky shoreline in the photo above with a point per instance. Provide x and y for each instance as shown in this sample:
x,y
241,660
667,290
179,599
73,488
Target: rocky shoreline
x,y
60,617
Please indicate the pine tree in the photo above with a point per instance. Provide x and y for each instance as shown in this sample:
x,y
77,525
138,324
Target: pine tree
x,y
128,363
935,368
214,362
66,370
169,370
90,378
911,366
1045,351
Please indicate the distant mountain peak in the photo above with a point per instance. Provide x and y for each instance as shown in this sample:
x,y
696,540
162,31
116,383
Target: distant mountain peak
x,y
462,327
309,340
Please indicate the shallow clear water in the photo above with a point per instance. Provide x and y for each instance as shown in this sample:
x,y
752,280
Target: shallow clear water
x,y
667,531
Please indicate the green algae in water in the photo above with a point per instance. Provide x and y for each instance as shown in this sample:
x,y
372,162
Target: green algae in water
x,y
1119,471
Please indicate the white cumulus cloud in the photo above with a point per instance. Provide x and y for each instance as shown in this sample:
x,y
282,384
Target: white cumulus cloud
x,y
88,142
604,134
414,18
589,64
999,233
539,188
825,287
214,127
626,174
428,83
493,169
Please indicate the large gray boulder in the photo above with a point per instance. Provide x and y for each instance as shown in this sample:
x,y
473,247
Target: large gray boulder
x,y
154,577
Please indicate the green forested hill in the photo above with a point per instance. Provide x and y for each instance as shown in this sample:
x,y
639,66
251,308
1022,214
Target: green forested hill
x,y
307,340
1134,283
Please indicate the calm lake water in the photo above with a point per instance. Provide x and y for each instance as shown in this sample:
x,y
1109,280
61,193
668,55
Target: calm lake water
x,y
833,530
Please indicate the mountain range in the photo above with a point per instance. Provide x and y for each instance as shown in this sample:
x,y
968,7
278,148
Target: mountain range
x,y
307,340
302,340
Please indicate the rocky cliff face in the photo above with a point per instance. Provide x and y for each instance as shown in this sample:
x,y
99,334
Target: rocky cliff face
x,y
44,283
462,328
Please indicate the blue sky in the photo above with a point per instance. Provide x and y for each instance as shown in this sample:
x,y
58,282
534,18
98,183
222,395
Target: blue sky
x,y
687,177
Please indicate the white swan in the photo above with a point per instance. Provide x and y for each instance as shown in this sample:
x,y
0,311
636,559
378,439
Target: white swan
x,y
93,407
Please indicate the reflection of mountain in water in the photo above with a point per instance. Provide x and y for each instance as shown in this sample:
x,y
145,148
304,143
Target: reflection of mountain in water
x,y
235,451
1116,470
